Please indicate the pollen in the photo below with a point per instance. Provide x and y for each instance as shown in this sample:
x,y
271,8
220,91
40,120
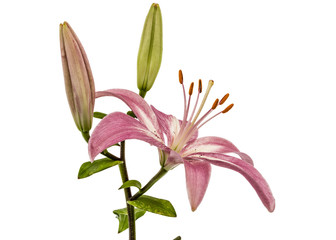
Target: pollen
x,y
215,104
200,85
191,88
180,76
224,99
228,108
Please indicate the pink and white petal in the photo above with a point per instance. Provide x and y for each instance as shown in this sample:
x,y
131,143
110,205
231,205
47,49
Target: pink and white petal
x,y
117,127
169,124
138,105
245,157
193,136
247,170
213,145
197,178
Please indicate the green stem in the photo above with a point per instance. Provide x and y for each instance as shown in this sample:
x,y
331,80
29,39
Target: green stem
x,y
86,136
109,155
151,182
127,191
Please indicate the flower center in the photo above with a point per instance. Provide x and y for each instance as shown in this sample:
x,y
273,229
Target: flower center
x,y
191,125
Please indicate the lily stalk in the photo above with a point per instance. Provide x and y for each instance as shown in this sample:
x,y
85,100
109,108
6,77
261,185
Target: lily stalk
x,y
78,79
150,50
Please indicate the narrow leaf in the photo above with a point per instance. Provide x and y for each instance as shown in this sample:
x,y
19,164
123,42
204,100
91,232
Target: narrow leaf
x,y
154,205
131,183
88,168
99,115
123,217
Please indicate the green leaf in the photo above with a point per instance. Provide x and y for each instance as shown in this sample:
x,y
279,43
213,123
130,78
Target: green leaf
x,y
99,115
88,168
178,238
131,183
154,205
123,217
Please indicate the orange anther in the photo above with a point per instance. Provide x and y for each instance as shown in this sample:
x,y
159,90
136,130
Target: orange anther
x,y
215,104
200,86
180,76
228,108
224,99
191,88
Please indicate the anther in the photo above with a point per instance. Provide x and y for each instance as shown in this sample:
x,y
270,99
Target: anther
x,y
191,88
180,76
228,108
215,104
224,99
200,86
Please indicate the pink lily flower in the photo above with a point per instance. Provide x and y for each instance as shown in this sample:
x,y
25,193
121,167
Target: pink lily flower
x,y
178,141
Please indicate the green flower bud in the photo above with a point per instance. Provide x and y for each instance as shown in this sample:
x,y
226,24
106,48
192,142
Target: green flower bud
x,y
79,84
150,50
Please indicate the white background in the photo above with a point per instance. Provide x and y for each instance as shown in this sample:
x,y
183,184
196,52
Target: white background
x,y
276,58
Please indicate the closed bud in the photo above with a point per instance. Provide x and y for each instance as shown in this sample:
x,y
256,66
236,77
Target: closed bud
x,y
150,50
79,84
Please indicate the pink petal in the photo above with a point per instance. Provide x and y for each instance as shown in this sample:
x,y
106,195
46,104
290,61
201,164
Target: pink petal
x,y
213,145
197,178
138,105
171,126
117,127
247,170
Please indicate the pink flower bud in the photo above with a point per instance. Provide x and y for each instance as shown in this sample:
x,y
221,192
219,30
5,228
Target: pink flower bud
x,y
79,84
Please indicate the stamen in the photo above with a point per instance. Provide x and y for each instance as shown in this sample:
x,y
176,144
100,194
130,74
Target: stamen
x,y
215,104
180,76
224,111
191,88
199,85
193,112
210,84
228,108
184,94
184,121
224,99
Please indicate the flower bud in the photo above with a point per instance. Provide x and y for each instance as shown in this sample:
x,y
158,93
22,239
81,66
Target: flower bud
x,y
150,50
79,84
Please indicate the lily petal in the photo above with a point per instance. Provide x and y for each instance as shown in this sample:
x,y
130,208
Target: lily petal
x,y
213,145
197,178
138,105
117,127
169,124
247,170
